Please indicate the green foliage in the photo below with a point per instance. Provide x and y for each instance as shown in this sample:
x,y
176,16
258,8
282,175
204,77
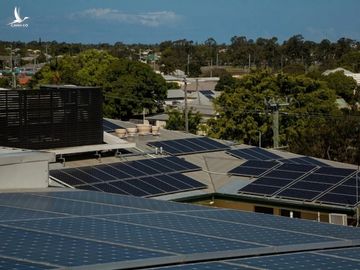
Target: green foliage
x,y
351,61
172,85
243,111
5,82
294,69
332,138
177,120
343,85
128,86
225,81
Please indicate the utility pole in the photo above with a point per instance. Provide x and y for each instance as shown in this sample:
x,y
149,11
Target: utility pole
x,y
211,67
249,61
13,75
275,106
186,107
197,91
188,65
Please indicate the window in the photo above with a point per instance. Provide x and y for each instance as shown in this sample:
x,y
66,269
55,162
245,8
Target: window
x,y
265,210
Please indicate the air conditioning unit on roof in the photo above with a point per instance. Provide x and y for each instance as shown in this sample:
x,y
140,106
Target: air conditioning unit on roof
x,y
338,219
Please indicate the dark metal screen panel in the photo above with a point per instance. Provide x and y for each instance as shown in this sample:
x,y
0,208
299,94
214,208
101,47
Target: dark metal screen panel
x,y
51,117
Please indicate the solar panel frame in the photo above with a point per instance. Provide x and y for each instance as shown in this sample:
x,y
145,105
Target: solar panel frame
x,y
127,187
299,194
254,153
253,168
106,177
338,199
189,146
194,147
292,173
323,181
262,190
83,176
270,181
66,178
108,188
305,160
142,233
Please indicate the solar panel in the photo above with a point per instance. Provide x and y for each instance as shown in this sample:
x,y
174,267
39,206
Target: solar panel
x,y
253,153
253,168
275,180
109,126
320,181
342,259
133,177
208,93
189,146
6,263
107,231
347,193
305,160
308,260
149,185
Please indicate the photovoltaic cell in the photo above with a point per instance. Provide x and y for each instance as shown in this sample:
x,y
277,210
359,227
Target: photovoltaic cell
x,y
189,146
259,189
107,231
320,181
134,176
10,264
305,160
299,261
341,259
254,153
253,168
274,180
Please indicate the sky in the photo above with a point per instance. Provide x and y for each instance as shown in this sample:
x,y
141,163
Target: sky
x,y
154,21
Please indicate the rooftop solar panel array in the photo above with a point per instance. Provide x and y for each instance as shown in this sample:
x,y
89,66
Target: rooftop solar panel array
x,y
347,193
208,93
189,146
257,153
109,126
311,186
95,230
253,168
324,260
253,153
307,183
305,160
273,181
144,178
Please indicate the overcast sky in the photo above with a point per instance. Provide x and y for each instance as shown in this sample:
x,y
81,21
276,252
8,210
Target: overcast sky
x,y
153,21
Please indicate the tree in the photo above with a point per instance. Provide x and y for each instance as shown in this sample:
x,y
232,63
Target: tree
x,y
242,112
128,86
343,85
351,61
226,81
5,82
177,120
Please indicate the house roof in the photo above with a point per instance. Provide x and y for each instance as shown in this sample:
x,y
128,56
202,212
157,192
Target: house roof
x,y
95,230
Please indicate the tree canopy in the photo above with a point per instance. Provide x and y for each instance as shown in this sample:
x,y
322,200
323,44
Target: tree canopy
x,y
128,86
307,122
